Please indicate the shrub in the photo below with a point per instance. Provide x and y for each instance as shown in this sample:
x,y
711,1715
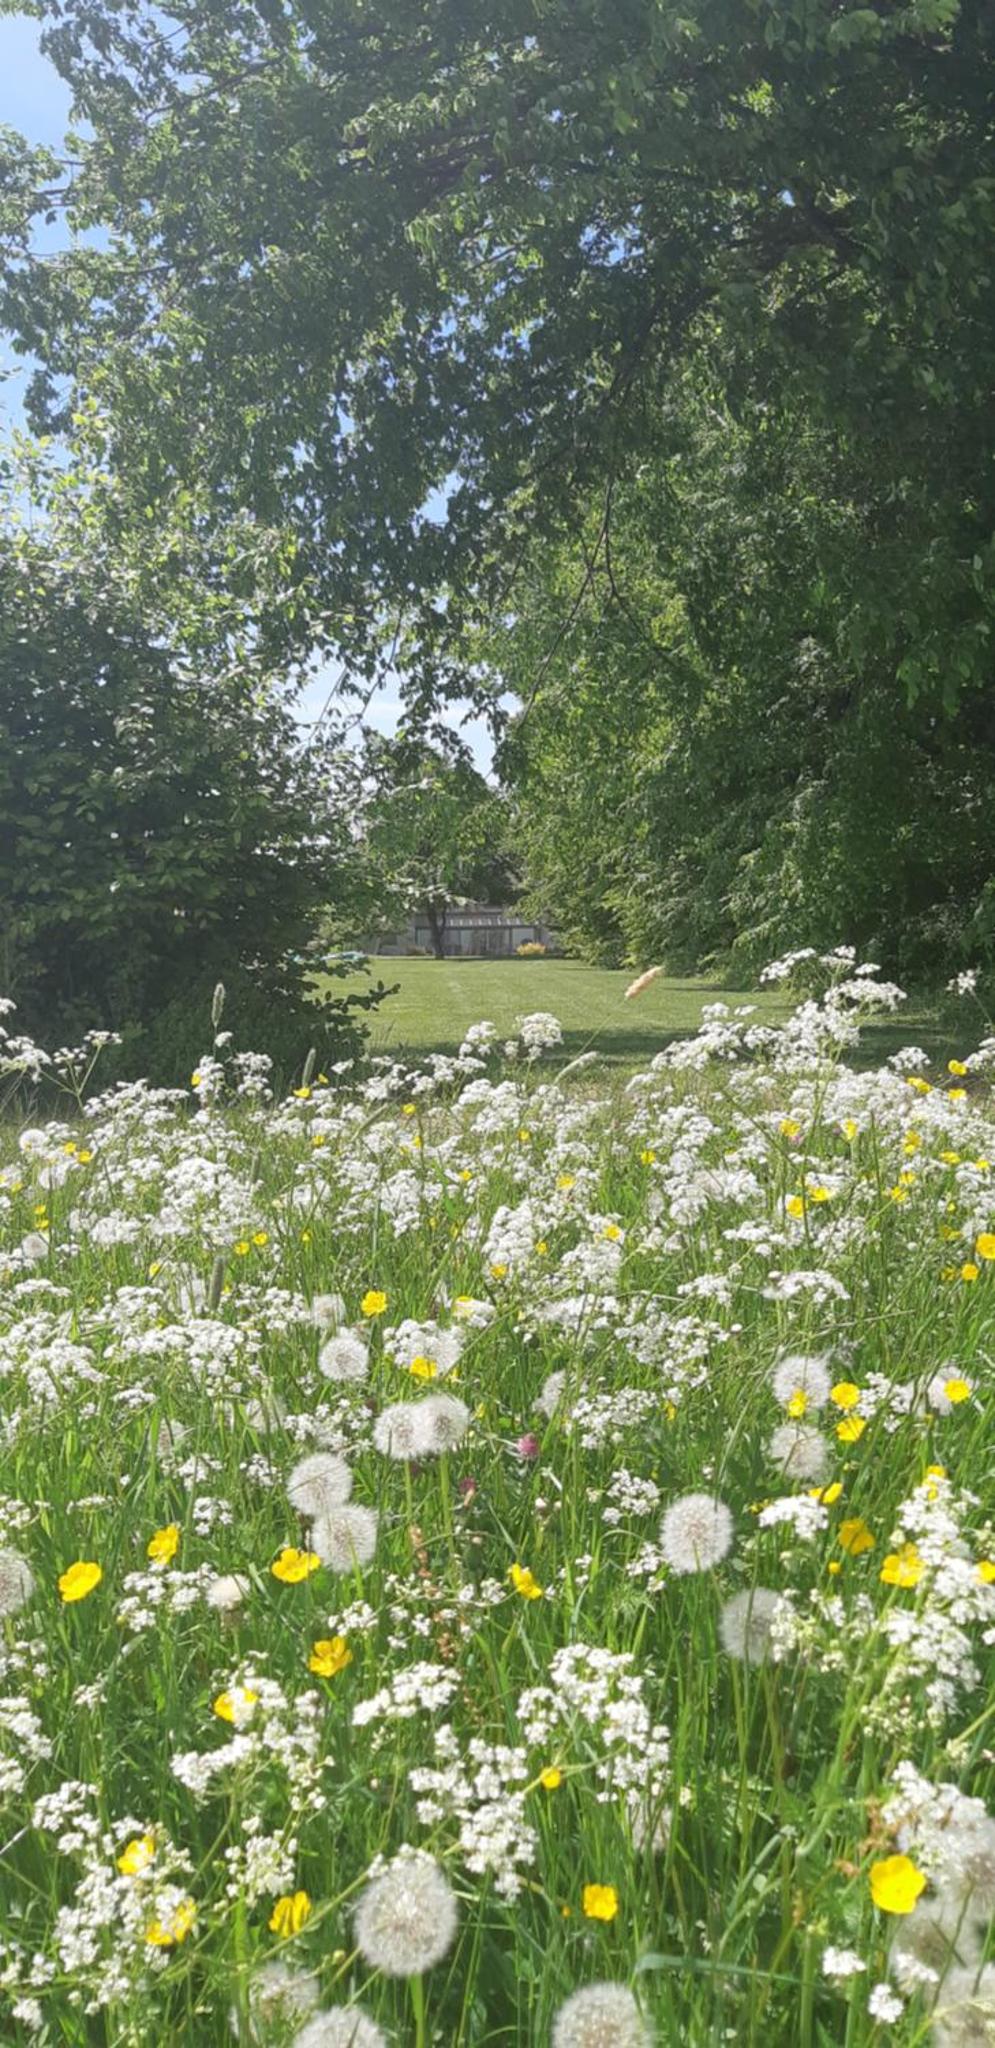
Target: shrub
x,y
161,829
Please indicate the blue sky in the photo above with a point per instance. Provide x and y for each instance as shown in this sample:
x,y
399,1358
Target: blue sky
x,y
34,100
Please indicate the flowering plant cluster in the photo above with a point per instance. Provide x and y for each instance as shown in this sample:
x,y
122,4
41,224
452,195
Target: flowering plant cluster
x,y
489,1553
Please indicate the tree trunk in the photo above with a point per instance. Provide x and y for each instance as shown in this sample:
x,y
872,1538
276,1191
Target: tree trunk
x,y
437,926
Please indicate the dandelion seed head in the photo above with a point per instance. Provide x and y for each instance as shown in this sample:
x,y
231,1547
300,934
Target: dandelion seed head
x,y
396,1431
600,2016
972,1871
406,1920
318,1483
964,2015
346,1538
328,1311
342,2026
443,1422
937,1938
802,1374
16,1582
278,1997
746,1624
799,1451
696,1533
344,1358
227,1592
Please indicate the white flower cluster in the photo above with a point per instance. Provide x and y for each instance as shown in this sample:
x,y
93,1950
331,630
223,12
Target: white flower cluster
x,y
268,1729
481,1789
596,1690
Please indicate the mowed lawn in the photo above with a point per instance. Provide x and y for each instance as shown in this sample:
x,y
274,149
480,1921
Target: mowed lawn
x,y
437,999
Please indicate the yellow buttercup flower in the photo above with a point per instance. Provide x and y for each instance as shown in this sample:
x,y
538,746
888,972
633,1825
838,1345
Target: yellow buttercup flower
x,y
136,1855
289,1914
851,1429
956,1067
794,1206
969,1271
524,1582
565,1181
930,1477
986,1571
797,1404
855,1536
902,1567
235,1706
845,1394
329,1656
168,1933
957,1390
896,1884
294,1565
80,1579
423,1368
373,1303
550,1778
600,1901
851,1130
789,1128
163,1546
985,1245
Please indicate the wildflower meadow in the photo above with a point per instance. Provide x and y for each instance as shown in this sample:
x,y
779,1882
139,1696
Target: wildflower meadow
x,y
499,1553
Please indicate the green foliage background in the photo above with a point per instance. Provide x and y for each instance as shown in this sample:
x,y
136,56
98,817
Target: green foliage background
x,y
681,316
158,832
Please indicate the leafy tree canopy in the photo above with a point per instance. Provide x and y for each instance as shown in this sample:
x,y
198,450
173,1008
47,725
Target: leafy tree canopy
x,y
357,254
713,758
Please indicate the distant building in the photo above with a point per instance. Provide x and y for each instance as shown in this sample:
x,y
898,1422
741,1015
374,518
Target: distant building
x,y
472,931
